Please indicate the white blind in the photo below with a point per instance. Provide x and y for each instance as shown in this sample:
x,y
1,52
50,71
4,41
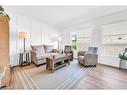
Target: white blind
x,y
115,28
114,38
115,33
83,39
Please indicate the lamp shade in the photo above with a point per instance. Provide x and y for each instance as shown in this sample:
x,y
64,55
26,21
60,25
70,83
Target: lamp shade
x,y
56,38
59,38
22,35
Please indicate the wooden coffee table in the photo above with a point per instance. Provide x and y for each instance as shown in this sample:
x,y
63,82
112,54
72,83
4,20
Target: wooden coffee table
x,y
55,62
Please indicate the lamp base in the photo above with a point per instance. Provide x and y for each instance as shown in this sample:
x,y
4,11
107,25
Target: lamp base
x,y
24,45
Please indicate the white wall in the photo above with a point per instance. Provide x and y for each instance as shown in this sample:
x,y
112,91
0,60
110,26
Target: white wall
x,y
96,24
40,33
65,38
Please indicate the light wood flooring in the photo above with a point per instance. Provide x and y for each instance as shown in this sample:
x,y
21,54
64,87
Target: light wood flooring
x,y
104,77
100,77
20,80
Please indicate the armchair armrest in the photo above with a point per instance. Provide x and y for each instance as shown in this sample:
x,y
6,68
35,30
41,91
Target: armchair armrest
x,y
33,52
81,53
91,56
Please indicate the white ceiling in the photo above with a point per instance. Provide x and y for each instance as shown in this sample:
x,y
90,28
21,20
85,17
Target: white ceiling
x,y
63,16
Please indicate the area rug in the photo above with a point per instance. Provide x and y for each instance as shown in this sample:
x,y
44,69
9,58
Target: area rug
x,y
63,78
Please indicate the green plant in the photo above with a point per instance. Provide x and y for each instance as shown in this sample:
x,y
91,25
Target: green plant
x,y
123,56
3,13
74,44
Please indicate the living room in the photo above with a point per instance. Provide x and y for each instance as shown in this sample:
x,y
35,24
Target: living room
x,y
78,28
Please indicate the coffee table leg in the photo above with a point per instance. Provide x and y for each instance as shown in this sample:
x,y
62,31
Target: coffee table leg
x,y
46,64
53,66
68,62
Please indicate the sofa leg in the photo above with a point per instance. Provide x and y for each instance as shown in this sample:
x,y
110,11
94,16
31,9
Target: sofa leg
x,y
87,66
39,64
79,62
94,65
90,66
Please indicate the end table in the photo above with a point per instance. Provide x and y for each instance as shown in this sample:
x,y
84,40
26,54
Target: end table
x,y
24,58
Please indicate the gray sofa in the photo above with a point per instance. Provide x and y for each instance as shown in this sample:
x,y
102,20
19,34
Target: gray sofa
x,y
40,52
88,58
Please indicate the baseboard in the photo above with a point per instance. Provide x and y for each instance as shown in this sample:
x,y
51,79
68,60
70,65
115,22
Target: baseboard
x,y
107,65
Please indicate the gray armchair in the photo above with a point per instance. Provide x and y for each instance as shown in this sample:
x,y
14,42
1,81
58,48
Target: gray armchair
x,y
68,50
88,58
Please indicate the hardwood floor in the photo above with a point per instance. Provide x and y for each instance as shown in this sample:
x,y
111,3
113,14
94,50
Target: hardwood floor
x,y
20,80
104,77
100,77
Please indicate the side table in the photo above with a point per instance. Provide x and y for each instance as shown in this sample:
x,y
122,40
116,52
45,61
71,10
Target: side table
x,y
24,58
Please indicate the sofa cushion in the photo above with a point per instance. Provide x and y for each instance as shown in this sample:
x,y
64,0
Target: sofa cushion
x,y
39,49
46,55
68,49
48,48
43,56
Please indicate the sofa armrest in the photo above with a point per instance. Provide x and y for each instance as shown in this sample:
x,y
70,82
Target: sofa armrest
x,y
81,53
33,56
33,52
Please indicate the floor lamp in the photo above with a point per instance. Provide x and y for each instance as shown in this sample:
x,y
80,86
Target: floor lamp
x,y
23,35
59,40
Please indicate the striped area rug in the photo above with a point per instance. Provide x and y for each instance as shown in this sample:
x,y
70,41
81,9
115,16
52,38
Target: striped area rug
x,y
32,77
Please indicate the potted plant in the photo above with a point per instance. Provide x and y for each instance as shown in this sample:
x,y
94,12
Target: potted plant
x,y
3,13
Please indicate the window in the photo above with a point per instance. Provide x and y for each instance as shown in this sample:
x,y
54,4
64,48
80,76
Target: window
x,y
114,38
83,43
83,39
74,41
